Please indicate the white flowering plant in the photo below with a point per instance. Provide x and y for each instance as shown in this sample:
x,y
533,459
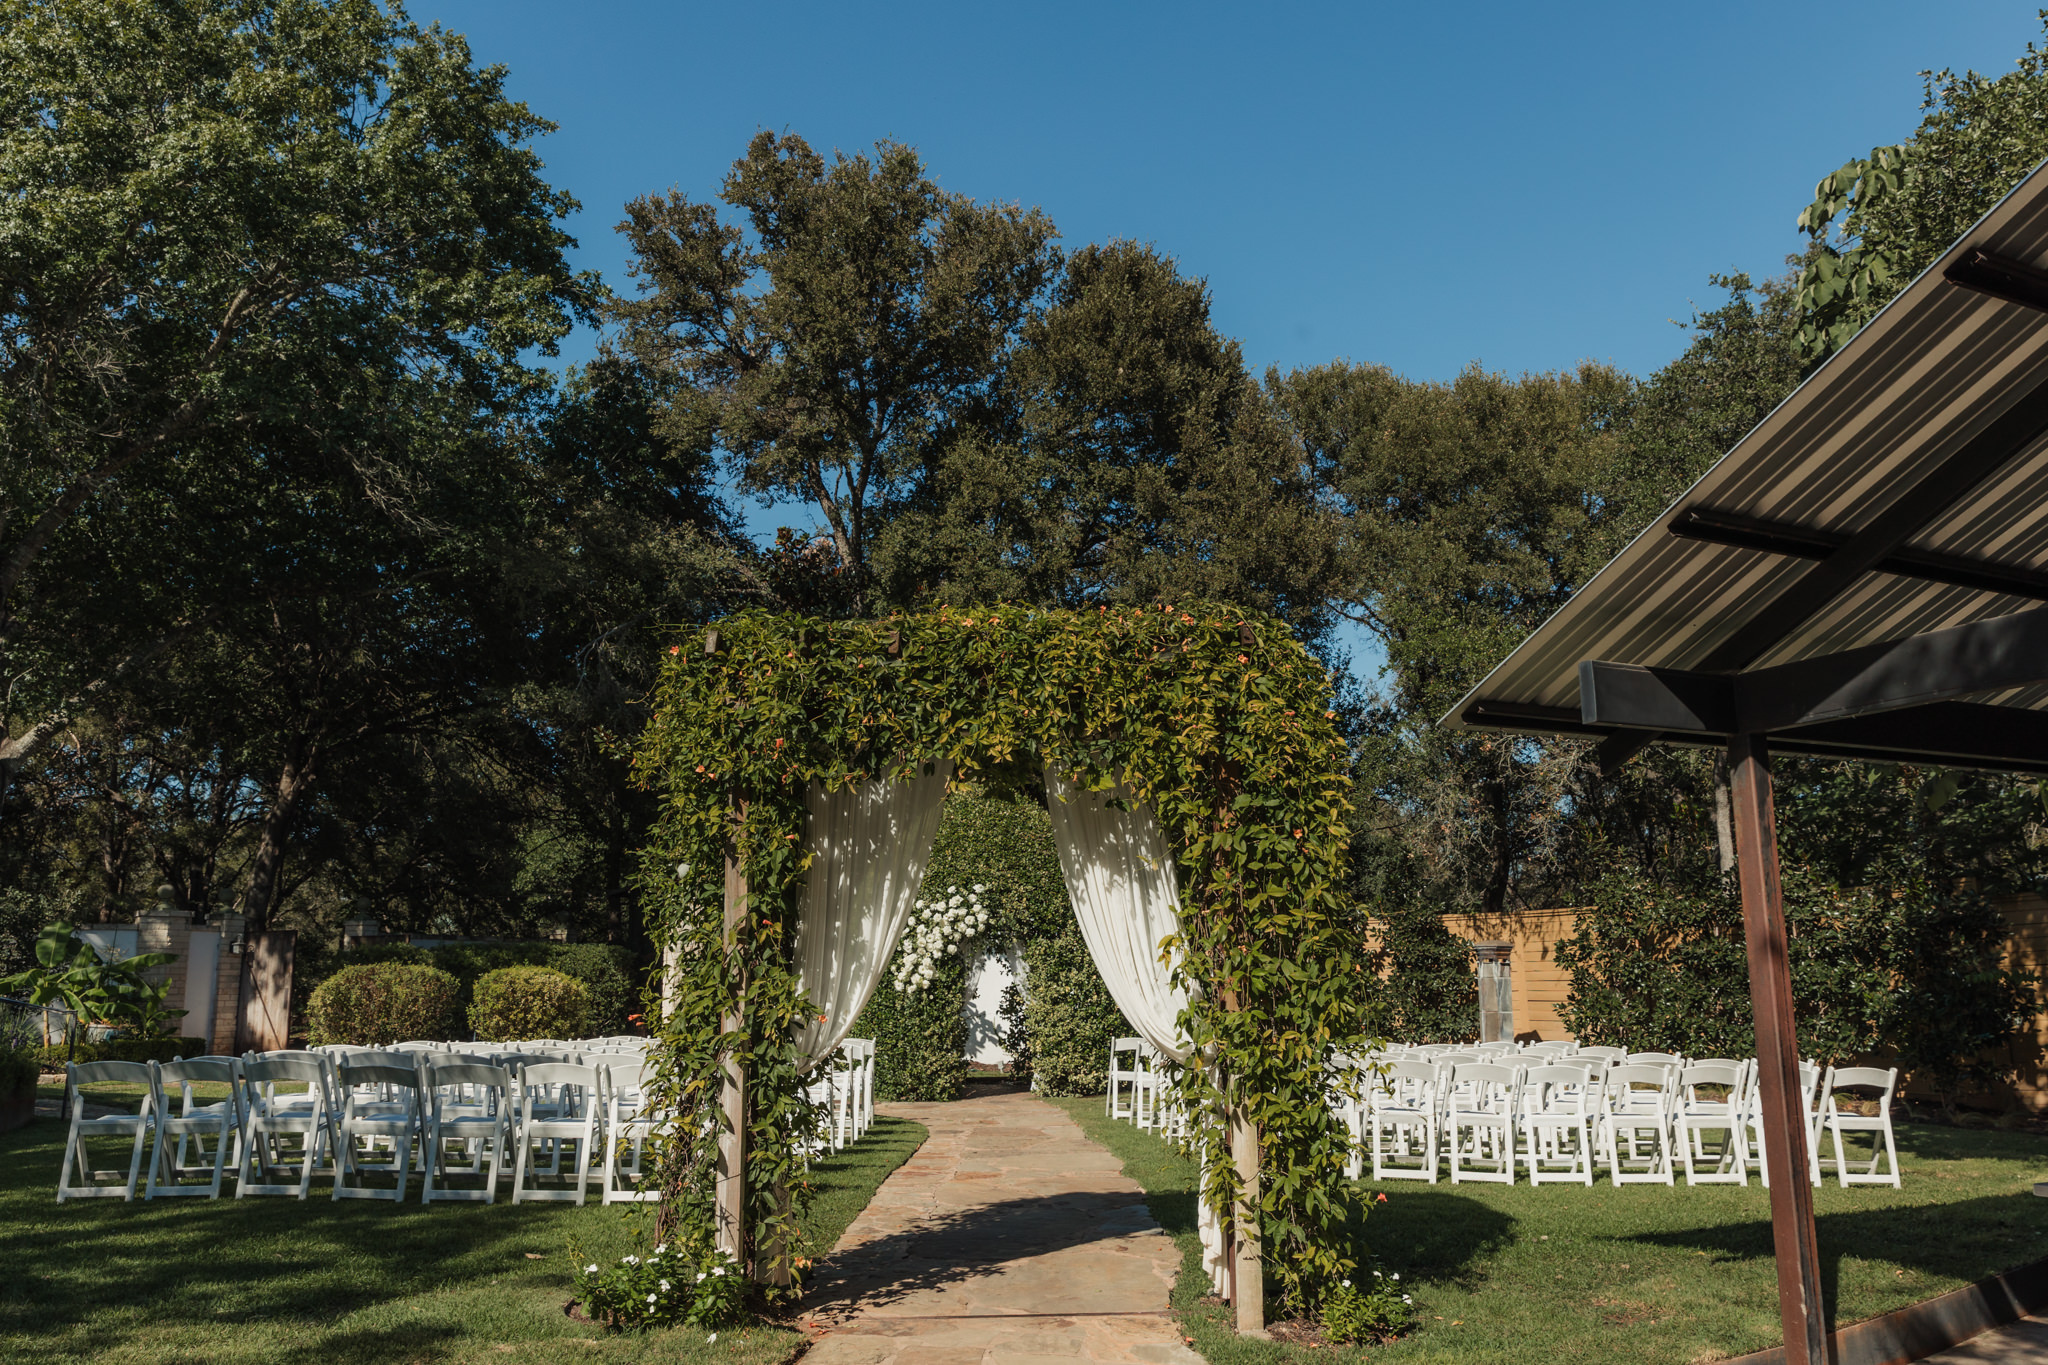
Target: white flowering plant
x,y
939,925
671,1286
1376,1309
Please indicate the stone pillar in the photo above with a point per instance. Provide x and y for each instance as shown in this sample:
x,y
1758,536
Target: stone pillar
x,y
164,928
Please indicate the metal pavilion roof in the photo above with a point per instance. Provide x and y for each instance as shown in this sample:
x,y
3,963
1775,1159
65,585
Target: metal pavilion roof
x,y
1898,491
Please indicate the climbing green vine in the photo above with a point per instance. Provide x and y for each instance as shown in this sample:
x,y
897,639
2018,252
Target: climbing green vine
x,y
1216,718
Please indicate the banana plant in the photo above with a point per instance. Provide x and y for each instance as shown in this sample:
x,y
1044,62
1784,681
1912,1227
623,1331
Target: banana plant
x,y
70,972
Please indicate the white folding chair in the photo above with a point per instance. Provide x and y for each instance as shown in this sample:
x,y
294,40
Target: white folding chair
x,y
1636,1125
1699,1113
1115,1104
136,1126
1883,1143
1401,1116
1613,1055
1810,1077
1560,1115
381,1106
861,1051
468,1105
1480,1121
271,1116
573,1106
627,1123
194,1123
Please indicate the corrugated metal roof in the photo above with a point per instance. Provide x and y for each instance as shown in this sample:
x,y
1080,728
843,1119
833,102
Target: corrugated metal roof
x,y
1936,368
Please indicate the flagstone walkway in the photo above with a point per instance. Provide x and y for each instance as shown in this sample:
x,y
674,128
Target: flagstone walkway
x,y
1008,1239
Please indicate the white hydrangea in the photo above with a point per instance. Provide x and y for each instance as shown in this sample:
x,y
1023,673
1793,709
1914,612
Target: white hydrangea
x,y
938,926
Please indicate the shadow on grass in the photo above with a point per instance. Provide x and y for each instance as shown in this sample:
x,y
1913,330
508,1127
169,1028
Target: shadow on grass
x,y
1968,1239
970,1244
296,1269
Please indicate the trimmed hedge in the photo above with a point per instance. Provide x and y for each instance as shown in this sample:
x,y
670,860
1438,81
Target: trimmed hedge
x,y
1069,1014
513,1003
610,974
921,1038
376,1004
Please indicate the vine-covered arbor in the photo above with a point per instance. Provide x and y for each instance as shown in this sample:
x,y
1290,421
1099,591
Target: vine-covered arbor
x,y
1212,721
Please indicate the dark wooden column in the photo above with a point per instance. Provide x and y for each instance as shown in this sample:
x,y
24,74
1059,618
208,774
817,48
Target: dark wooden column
x,y
1777,1054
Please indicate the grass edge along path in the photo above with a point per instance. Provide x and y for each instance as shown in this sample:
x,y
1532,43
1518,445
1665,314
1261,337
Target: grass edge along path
x,y
1636,1274
178,1281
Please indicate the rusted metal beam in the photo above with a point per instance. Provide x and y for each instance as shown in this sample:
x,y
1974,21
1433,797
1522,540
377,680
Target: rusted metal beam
x,y
1777,1055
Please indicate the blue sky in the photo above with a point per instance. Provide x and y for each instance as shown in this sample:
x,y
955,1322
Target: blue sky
x,y
1423,186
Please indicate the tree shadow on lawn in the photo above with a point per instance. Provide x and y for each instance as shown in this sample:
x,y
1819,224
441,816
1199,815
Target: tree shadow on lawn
x,y
967,1244
1966,1240
142,1267
1442,1235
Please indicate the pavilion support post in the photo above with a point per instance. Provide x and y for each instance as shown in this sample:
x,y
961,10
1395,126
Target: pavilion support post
x,y
1248,1275
731,1188
1777,1054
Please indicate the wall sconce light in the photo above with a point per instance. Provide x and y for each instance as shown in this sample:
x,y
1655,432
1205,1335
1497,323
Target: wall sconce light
x,y
241,942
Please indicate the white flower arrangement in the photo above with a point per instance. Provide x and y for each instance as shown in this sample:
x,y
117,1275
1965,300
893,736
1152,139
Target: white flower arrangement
x,y
938,927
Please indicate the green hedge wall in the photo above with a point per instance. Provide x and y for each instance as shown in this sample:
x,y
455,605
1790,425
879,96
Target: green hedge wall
x,y
1902,969
1002,839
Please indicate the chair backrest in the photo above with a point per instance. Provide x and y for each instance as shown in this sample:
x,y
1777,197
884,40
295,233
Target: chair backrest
x,y
1713,1073
268,1068
1612,1054
1864,1078
199,1071
1415,1072
540,1074
1638,1058
1736,1062
106,1073
1483,1073
353,1074
465,1071
1621,1079
1570,1088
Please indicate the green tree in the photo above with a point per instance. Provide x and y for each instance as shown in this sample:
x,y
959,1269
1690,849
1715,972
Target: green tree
x,y
1879,220
824,347
237,234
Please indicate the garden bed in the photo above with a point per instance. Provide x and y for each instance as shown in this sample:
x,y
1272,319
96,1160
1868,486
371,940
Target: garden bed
x,y
1639,1273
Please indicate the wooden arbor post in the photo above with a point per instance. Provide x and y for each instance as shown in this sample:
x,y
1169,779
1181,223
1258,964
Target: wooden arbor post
x,y
1777,1054
1248,1268
731,1200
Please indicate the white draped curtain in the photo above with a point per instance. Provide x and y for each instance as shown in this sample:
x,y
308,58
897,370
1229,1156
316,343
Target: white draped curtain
x,y
868,847
1119,871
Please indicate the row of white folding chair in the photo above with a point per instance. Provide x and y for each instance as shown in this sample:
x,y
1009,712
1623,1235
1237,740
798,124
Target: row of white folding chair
x,y
394,1100
844,1088
1641,1121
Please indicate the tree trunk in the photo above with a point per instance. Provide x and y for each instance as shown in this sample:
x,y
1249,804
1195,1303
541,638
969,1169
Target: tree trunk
x,y
292,786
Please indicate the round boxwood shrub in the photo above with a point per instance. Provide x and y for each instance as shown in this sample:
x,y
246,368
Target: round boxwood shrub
x,y
515,1003
378,1003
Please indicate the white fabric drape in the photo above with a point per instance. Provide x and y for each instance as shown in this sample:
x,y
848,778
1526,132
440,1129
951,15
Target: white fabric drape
x,y
1120,875
868,847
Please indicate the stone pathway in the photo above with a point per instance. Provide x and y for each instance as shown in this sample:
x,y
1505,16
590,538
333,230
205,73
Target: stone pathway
x,y
1008,1239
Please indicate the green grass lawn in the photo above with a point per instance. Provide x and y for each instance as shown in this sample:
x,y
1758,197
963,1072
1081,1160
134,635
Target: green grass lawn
x,y
1636,1273
276,1281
